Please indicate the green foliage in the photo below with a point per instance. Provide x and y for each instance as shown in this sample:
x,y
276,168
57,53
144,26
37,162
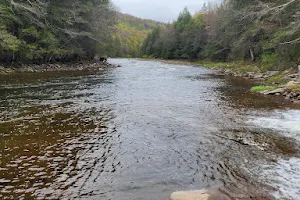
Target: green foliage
x,y
48,31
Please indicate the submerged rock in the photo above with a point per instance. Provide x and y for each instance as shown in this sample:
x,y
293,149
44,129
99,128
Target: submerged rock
x,y
200,195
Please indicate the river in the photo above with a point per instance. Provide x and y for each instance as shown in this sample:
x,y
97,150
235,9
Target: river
x,y
143,131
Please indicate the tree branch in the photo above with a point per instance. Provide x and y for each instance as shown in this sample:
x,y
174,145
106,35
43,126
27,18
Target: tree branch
x,y
296,41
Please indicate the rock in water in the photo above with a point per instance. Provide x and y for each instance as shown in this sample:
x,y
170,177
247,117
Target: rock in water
x,y
200,195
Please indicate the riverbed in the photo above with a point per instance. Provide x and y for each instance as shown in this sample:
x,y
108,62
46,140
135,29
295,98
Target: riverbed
x,y
143,131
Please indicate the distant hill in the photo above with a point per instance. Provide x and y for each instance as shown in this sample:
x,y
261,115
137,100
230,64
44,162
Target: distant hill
x,y
130,34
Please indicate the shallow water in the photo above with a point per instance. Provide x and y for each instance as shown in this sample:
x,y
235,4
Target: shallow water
x,y
284,174
142,131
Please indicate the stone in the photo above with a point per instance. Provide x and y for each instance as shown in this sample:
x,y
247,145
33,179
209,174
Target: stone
x,y
8,70
200,195
258,76
279,90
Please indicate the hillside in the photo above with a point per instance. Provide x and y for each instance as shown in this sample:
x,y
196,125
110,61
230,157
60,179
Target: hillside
x,y
130,34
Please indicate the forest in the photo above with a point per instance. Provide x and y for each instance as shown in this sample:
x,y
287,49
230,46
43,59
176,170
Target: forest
x,y
261,31
41,31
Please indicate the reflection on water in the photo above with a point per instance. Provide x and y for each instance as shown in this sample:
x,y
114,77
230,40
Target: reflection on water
x,y
48,130
137,132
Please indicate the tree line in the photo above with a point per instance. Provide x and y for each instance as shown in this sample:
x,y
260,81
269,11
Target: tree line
x,y
40,31
130,33
263,31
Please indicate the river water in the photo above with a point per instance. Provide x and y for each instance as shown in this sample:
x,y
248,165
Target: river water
x,y
143,131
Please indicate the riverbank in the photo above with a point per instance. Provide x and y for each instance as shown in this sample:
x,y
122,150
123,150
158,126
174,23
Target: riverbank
x,y
279,83
56,67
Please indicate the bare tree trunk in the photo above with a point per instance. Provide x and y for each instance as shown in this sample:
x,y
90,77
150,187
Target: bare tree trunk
x,y
252,54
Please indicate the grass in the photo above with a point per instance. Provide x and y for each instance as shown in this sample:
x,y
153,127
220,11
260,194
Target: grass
x,y
259,88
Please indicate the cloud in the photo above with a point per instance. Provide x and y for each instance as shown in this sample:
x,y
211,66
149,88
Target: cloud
x,y
159,10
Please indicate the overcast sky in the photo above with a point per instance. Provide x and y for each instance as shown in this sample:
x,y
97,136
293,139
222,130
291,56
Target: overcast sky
x,y
159,10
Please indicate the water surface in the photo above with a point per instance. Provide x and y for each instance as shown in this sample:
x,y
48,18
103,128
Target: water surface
x,y
143,131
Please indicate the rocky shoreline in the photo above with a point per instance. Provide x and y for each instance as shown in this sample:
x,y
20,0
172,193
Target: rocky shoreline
x,y
280,83
56,67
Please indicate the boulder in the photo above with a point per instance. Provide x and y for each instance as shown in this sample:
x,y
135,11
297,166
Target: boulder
x,y
227,71
258,76
200,195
